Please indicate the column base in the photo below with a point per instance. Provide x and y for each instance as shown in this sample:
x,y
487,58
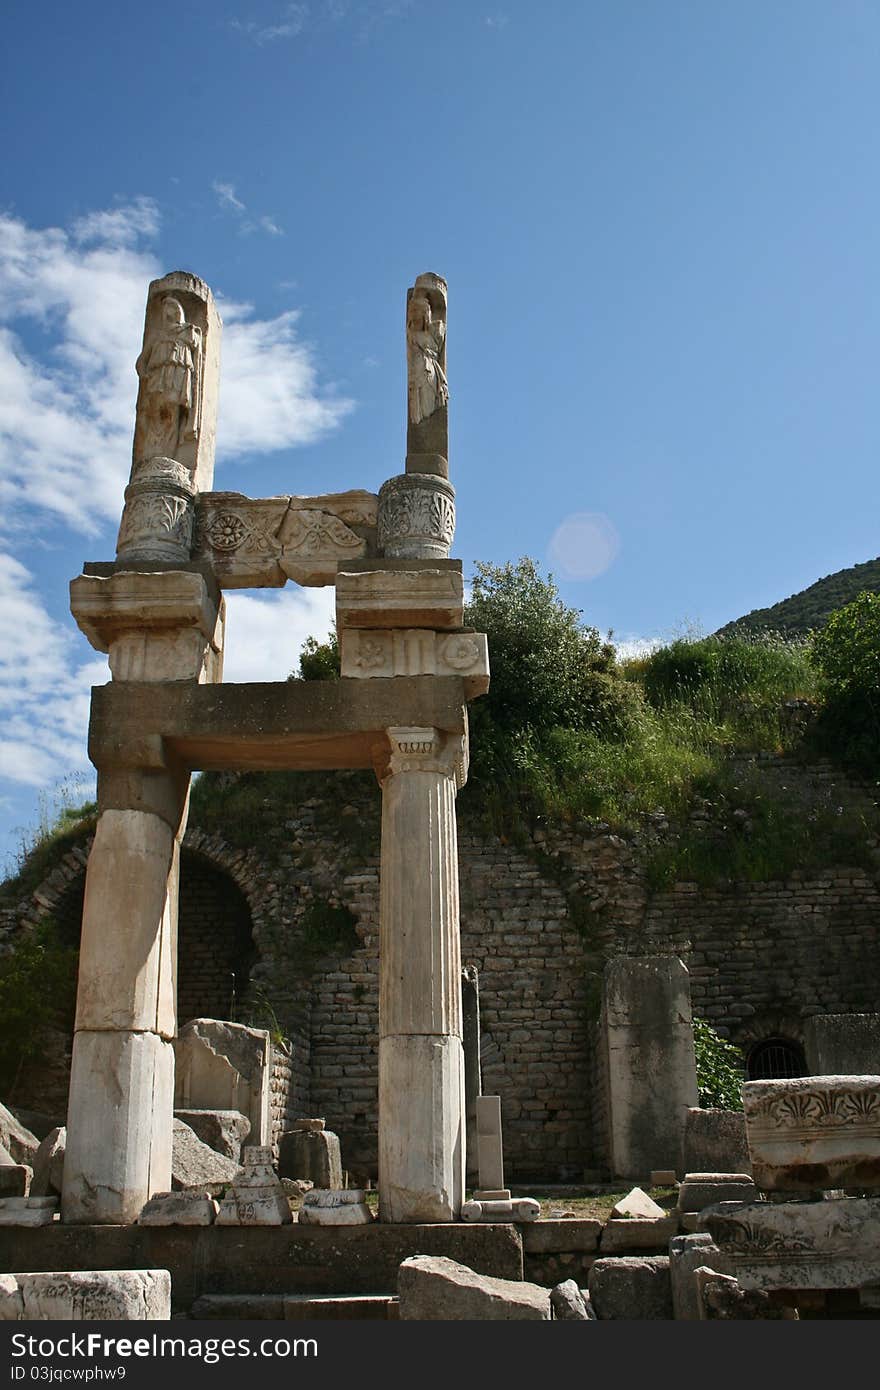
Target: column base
x,y
421,1128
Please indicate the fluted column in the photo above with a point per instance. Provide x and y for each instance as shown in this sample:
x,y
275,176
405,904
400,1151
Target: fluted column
x,y
421,1061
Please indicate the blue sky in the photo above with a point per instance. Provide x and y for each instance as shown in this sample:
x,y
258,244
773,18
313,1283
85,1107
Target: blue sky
x,y
659,222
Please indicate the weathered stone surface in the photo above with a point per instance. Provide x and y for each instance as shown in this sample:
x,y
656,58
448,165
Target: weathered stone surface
x,y
490,1151
155,627
632,1288
49,1164
258,1197
662,1177
568,1303
19,1143
16,1179
196,1165
843,1044
416,518
310,1126
16,1211
701,1190
799,1245
549,1236
522,1209
400,598
715,1142
638,1234
648,1061
224,1066
132,1295
720,1296
179,1209
311,1154
265,1260
427,434
120,1152
814,1132
687,1254
421,1159
326,1207
637,1203
222,1130
439,1289
378,653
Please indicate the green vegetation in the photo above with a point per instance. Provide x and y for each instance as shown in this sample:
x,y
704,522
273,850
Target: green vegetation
x,y
847,653
37,994
720,1068
810,609
56,832
327,928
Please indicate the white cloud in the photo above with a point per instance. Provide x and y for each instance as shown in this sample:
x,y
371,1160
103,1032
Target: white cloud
x,y
292,20
264,634
44,686
226,196
67,403
584,545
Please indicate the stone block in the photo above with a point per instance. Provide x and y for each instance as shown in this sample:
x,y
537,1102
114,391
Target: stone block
x,y
129,920
49,1164
428,1179
687,1254
715,1142
155,627
439,1289
16,1139
621,1234
814,1132
631,1288
648,1060
638,1204
490,1152
395,598
843,1044
120,1151
662,1177
254,1209
129,1295
179,1209
799,1245
195,1165
14,1215
568,1303
311,1154
719,1296
521,1209
15,1179
701,1190
335,1208
225,1066
377,652
224,1131
551,1237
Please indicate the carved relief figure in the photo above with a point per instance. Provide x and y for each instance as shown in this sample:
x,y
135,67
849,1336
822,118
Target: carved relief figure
x,y
425,335
170,370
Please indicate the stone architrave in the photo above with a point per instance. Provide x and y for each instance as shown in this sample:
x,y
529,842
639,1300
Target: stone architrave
x,y
809,1133
400,597
421,1061
799,1245
648,1055
416,652
225,1066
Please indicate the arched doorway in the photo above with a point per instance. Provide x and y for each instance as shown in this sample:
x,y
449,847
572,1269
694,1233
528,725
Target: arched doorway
x,y
215,943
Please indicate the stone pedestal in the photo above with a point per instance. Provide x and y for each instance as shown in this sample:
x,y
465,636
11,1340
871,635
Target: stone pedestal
x,y
421,1061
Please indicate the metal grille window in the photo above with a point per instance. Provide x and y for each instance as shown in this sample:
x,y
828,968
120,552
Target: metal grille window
x,y
776,1058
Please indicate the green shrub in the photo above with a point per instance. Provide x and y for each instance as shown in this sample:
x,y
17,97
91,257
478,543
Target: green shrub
x,y
720,1069
37,994
847,653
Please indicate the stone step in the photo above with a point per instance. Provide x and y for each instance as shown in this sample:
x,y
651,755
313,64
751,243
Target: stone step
x,y
298,1307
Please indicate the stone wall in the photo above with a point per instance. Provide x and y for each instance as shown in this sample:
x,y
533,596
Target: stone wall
x,y
539,920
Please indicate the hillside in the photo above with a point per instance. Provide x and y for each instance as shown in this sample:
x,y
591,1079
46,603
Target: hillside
x,y
812,607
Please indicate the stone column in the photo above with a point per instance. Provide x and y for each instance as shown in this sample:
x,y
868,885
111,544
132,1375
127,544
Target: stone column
x,y
156,627
421,1060
473,1084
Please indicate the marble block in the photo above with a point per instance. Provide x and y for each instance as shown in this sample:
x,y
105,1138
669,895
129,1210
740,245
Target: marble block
x,y
811,1133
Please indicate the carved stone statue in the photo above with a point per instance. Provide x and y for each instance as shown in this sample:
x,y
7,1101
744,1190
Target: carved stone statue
x,y
425,342
170,370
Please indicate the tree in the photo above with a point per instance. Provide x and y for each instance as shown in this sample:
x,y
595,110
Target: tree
x,y
847,652
318,661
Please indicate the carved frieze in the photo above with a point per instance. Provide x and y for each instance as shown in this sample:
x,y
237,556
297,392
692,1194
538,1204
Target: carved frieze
x,y
369,653
815,1132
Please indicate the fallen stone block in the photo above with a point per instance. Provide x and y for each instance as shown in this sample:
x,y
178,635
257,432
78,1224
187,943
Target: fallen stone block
x,y
523,1209
638,1204
224,1131
128,1295
700,1190
179,1209
311,1154
49,1163
326,1207
720,1296
631,1288
810,1133
568,1303
18,1141
434,1288
15,1179
620,1234
687,1254
561,1236
715,1142
194,1164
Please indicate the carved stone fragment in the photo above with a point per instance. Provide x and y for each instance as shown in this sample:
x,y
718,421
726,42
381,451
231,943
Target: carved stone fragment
x,y
416,517
814,1132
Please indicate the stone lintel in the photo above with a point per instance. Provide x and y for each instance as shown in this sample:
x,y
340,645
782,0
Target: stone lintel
x,y
106,607
307,725
414,597
368,653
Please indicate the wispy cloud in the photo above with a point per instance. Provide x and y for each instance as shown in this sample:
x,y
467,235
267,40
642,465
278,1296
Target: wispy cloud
x,y
498,20
67,394
362,17
291,21
230,201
